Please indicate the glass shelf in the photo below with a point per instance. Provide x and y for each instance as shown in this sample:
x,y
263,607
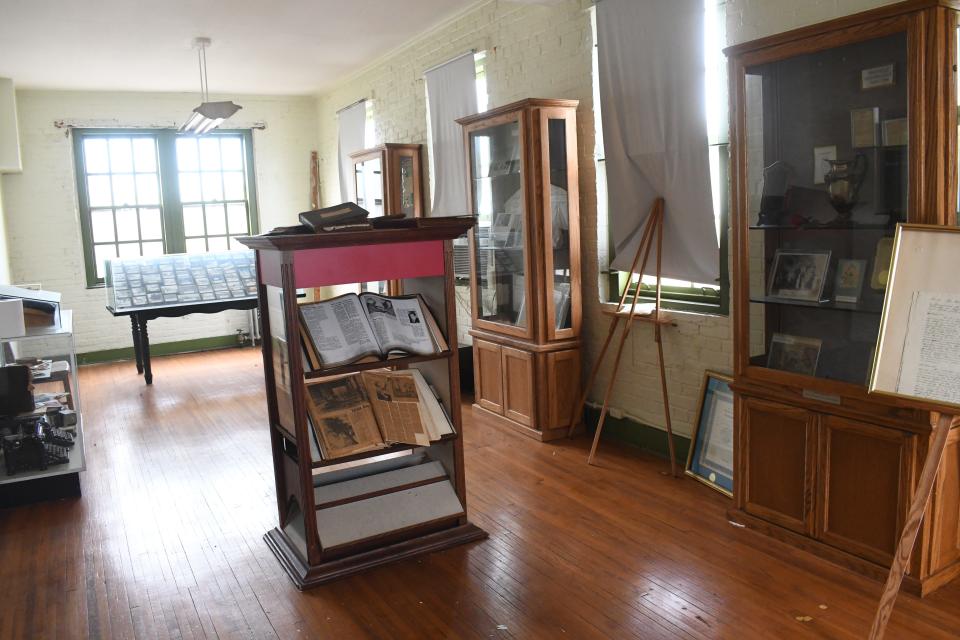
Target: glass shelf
x,y
858,307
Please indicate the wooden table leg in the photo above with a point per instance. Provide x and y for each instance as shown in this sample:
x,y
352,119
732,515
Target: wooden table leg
x,y
145,351
135,327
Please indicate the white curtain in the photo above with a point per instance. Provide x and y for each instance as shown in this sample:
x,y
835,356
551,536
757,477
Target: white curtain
x,y
652,83
352,124
451,94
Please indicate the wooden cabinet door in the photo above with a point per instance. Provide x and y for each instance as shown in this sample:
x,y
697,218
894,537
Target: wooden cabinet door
x,y
563,386
864,486
778,444
488,375
518,385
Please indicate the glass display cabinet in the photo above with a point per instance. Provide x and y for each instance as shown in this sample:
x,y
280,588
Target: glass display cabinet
x,y
839,133
389,180
41,462
525,263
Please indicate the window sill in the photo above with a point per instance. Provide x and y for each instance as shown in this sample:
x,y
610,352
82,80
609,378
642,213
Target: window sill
x,y
673,308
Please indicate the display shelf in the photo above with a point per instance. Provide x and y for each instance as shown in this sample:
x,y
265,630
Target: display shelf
x,y
387,522
822,227
830,305
54,343
393,360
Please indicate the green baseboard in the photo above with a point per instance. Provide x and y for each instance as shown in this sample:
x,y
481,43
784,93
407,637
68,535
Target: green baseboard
x,y
634,433
159,349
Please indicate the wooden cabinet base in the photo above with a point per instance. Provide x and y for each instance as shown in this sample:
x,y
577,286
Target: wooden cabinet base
x,y
543,436
305,576
911,584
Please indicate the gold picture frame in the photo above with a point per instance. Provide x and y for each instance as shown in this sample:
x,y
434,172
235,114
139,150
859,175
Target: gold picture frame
x,y
698,466
915,248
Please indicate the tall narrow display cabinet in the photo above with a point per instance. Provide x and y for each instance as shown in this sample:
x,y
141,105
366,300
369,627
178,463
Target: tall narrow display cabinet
x,y
388,180
346,514
840,131
525,264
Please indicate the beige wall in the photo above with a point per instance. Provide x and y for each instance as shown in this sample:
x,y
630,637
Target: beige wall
x,y
544,51
42,217
4,251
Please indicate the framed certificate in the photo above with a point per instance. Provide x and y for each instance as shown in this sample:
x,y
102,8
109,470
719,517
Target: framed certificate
x,y
710,459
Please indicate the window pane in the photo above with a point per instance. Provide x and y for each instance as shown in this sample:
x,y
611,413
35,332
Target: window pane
x,y
212,187
209,154
196,245
148,191
190,187
127,228
95,155
124,192
144,155
193,221
121,156
217,244
150,226
129,250
98,191
237,218
153,249
101,222
236,246
233,187
216,222
231,153
187,159
103,252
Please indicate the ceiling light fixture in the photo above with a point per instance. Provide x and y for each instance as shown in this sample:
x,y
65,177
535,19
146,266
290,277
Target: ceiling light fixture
x,y
209,115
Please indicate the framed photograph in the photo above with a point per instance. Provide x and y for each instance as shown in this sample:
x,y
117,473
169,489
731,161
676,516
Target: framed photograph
x,y
877,77
820,157
863,127
850,274
710,459
895,132
795,354
798,275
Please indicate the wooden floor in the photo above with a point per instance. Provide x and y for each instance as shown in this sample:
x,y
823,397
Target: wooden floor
x,y
166,541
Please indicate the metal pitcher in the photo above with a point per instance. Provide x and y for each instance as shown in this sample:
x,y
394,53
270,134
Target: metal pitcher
x,y
843,184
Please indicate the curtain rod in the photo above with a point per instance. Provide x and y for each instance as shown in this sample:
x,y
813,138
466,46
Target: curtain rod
x,y
352,104
443,64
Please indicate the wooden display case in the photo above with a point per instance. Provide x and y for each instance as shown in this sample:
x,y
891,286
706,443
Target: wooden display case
x,y
819,462
346,514
525,263
389,179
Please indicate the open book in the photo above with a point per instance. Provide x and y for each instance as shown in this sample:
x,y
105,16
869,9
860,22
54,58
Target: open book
x,y
354,327
365,411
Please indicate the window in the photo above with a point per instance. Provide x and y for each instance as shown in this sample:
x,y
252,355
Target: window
x,y
677,294
150,192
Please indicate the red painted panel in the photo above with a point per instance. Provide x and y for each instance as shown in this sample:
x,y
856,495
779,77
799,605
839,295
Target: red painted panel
x,y
365,263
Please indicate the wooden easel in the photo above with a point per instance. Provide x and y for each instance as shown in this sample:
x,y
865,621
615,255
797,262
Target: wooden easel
x,y
942,423
653,226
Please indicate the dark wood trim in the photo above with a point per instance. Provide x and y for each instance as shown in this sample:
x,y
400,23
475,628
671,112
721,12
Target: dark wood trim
x,y
425,229
517,106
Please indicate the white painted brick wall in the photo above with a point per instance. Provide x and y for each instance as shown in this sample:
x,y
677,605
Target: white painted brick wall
x,y
4,250
43,229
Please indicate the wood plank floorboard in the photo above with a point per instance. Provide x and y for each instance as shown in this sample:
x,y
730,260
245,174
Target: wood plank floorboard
x,y
167,541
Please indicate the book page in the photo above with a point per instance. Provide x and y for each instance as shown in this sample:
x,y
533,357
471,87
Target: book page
x,y
399,324
339,330
930,367
396,405
342,416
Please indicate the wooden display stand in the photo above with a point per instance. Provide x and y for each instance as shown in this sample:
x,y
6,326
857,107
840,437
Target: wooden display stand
x,y
652,229
526,352
344,515
819,462
400,171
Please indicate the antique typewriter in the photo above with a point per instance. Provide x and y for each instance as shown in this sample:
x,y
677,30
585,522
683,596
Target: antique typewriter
x,y
34,445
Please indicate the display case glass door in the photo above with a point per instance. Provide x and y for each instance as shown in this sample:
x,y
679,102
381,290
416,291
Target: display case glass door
x,y
558,204
827,168
369,185
499,202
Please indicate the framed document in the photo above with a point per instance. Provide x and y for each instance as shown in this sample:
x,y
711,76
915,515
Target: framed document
x,y
710,459
863,127
918,352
